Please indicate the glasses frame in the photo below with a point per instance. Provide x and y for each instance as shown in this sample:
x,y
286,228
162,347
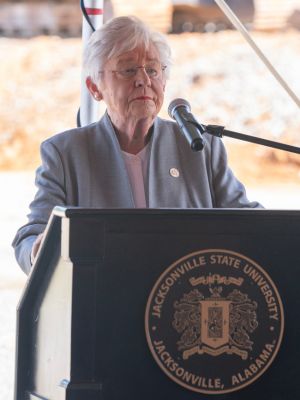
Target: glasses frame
x,y
122,73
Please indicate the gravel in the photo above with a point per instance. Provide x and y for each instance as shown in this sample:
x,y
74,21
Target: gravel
x,y
219,74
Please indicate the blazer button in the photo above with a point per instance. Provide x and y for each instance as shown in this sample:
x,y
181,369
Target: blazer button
x,y
174,172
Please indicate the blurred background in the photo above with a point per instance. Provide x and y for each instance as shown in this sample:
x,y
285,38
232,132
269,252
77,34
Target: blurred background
x,y
214,69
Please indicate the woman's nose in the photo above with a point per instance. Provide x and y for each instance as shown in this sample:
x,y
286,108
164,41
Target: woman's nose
x,y
142,77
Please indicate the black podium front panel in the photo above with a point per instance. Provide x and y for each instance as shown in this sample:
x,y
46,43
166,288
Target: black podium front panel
x,y
117,259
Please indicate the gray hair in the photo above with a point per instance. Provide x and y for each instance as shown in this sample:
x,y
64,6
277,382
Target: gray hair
x,y
118,36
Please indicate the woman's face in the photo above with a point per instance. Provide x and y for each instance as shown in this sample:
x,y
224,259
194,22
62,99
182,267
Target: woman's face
x,y
131,93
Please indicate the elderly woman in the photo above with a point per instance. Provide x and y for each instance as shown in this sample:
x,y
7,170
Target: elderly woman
x,y
131,157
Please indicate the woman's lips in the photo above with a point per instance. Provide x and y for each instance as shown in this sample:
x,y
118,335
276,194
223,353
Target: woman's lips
x,y
143,98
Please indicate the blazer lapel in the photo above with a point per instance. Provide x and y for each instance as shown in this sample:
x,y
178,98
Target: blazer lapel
x,y
166,176
112,181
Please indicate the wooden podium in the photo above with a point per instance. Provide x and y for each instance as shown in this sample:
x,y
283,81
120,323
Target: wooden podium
x,y
81,319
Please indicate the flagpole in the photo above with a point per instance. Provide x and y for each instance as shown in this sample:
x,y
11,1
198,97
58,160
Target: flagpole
x,y
92,20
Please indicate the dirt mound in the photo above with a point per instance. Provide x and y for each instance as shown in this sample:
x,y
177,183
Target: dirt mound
x,y
218,74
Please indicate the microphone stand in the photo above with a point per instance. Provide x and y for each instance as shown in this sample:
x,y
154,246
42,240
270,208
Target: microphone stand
x,y
220,131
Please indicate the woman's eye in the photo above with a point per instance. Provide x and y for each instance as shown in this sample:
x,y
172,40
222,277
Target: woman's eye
x,y
129,71
151,71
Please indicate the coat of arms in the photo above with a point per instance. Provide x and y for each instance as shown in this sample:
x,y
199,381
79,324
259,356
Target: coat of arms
x,y
215,325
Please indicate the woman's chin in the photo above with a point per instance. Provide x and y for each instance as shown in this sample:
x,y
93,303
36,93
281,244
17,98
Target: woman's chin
x,y
144,110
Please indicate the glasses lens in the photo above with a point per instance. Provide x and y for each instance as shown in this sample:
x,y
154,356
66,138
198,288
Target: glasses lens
x,y
153,70
128,72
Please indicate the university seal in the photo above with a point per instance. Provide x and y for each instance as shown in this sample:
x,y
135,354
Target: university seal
x,y
214,321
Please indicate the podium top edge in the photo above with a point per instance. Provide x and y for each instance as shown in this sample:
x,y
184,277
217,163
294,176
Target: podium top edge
x,y
80,211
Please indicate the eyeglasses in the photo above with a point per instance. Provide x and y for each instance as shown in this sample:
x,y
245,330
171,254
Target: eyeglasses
x,y
154,70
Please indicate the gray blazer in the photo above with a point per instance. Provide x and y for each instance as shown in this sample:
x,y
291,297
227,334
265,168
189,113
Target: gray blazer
x,y
84,167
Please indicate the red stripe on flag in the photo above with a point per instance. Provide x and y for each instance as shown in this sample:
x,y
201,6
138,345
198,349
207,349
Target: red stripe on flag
x,y
94,11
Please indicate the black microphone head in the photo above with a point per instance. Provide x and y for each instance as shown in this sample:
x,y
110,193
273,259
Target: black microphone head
x,y
178,103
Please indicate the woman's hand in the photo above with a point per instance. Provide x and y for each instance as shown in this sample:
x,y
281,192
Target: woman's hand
x,y
35,247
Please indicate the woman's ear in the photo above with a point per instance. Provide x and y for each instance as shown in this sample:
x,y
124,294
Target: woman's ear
x,y
93,89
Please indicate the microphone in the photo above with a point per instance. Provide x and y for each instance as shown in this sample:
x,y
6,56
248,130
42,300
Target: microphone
x,y
180,110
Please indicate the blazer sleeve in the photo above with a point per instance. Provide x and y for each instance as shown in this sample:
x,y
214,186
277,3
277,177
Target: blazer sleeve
x,y
228,190
51,192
